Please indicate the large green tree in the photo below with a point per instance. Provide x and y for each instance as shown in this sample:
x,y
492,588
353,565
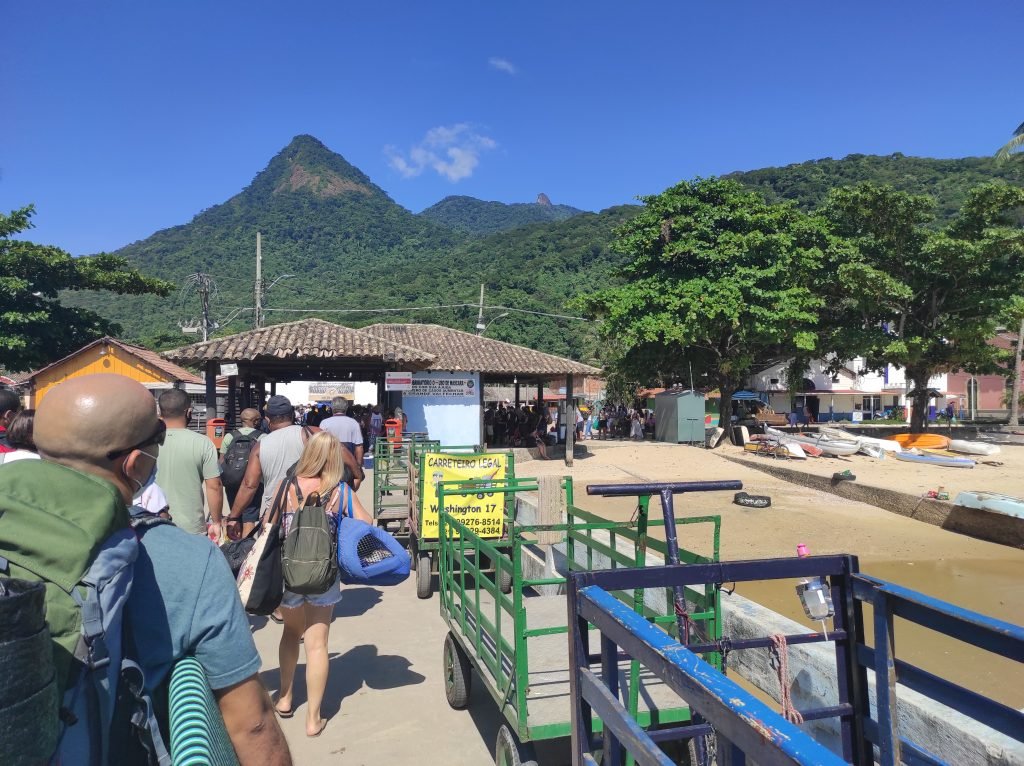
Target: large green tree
x,y
924,300
35,328
717,279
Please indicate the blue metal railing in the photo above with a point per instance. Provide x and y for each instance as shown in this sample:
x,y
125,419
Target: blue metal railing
x,y
743,725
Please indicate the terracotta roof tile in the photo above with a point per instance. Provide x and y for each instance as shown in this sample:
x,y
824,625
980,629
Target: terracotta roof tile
x,y
459,351
304,339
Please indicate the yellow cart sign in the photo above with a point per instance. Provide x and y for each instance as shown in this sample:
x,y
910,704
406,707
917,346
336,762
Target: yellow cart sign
x,y
481,512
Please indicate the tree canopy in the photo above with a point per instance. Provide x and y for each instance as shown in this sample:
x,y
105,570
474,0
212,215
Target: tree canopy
x,y
35,327
924,300
717,279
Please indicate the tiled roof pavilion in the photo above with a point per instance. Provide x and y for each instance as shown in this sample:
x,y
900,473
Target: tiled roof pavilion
x,y
312,349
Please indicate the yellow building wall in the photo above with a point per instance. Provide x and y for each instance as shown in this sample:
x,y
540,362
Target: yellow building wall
x,y
100,358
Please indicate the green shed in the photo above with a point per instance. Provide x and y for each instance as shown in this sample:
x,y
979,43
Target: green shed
x,y
679,416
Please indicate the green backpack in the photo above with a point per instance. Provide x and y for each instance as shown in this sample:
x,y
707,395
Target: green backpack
x,y
309,558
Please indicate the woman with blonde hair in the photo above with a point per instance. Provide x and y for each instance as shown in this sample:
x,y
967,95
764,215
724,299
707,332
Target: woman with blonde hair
x,y
308,617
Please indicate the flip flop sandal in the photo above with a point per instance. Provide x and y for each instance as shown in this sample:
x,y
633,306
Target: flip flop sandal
x,y
274,618
284,713
319,731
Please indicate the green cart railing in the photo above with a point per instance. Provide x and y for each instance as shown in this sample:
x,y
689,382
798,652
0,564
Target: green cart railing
x,y
423,543
516,642
391,461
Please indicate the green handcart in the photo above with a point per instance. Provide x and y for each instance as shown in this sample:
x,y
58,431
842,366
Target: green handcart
x,y
426,475
391,461
517,642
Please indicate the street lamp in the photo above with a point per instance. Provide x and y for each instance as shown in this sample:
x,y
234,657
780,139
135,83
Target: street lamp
x,y
481,327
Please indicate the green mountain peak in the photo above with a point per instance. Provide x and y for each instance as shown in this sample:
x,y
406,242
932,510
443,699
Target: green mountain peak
x,y
306,166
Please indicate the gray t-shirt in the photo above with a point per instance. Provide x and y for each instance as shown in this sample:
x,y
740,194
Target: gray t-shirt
x,y
346,429
279,451
185,461
184,602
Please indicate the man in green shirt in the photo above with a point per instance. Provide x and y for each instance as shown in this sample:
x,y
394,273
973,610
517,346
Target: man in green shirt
x,y
187,465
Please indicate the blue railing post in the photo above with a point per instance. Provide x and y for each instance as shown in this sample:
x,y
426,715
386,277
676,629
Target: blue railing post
x,y
582,724
885,682
610,676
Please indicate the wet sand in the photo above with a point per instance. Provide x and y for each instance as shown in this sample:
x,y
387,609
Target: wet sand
x,y
978,575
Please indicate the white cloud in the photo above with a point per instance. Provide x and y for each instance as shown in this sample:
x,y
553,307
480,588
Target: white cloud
x,y
452,151
503,65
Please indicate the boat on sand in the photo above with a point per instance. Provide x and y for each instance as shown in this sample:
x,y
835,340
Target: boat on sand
x,y
884,445
973,448
992,502
830,447
921,441
932,459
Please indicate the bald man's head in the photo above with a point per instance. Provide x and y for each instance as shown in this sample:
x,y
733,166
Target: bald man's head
x,y
82,420
249,417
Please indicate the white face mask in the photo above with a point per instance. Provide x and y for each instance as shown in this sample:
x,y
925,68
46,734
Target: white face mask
x,y
143,485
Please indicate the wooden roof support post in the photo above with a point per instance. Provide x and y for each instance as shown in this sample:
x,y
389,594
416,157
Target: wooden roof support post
x,y
211,390
570,422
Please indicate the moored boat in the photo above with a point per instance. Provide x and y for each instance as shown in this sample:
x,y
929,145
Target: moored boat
x,y
992,502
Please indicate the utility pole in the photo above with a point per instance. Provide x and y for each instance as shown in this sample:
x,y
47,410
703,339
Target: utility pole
x,y
258,288
203,287
480,326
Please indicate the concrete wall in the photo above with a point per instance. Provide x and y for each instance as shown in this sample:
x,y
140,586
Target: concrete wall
x,y
1005,530
941,730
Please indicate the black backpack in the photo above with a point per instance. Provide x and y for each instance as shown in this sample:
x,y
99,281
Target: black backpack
x,y
237,458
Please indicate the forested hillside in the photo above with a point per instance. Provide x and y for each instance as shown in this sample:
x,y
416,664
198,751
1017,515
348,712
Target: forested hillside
x,y
947,180
349,246
477,217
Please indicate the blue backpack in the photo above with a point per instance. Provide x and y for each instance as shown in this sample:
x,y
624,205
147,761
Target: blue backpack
x,y
367,554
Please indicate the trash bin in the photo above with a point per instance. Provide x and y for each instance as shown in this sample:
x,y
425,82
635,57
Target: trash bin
x,y
215,429
393,430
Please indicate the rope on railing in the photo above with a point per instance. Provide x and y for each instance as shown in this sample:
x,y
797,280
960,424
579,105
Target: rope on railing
x,y
781,653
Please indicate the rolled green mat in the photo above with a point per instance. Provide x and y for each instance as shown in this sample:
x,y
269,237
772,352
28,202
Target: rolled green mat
x,y
29,700
198,736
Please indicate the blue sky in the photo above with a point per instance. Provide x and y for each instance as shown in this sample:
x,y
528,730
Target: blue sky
x,y
121,118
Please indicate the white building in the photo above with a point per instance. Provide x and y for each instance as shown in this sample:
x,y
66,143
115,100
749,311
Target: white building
x,y
852,393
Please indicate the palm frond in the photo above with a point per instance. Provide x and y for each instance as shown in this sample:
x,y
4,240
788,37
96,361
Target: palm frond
x,y
1013,144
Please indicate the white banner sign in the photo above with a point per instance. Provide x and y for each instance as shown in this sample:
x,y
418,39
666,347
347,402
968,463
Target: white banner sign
x,y
227,370
397,381
449,388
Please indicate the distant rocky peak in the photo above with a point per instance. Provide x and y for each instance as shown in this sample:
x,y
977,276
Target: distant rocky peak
x,y
542,199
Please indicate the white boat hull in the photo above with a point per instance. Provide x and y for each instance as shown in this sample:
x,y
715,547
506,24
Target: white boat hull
x,y
940,460
992,502
831,447
973,448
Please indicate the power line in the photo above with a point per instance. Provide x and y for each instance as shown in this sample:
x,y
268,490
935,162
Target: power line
x,y
421,308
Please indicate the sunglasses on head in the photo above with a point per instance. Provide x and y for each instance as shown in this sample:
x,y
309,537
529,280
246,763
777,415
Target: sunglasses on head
x,y
157,437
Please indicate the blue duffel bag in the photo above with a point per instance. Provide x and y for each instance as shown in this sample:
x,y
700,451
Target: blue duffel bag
x,y
367,555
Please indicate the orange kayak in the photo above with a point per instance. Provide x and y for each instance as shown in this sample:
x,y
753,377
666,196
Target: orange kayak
x,y
921,441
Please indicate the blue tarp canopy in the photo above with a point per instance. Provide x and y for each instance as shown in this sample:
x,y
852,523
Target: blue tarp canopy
x,y
750,396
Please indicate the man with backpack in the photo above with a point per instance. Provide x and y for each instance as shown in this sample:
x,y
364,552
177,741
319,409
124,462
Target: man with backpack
x,y
234,458
127,594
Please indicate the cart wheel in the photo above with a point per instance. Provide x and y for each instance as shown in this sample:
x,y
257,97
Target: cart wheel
x,y
423,584
458,682
505,579
510,752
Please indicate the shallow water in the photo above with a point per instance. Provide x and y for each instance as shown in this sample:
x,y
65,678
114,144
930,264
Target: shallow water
x,y
993,588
